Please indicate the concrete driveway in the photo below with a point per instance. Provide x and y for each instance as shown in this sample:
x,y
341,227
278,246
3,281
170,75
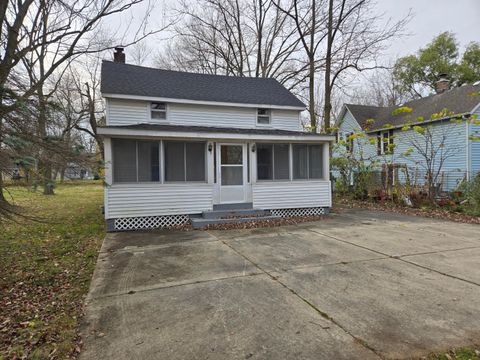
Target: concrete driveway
x,y
358,285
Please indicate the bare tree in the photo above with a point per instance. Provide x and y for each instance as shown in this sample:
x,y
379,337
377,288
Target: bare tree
x,y
235,37
56,32
140,53
430,144
307,19
378,88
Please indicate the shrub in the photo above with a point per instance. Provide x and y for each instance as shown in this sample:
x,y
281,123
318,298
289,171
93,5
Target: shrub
x,y
468,193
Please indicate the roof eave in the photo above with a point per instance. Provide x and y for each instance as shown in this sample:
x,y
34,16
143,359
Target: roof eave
x,y
122,132
200,102
417,123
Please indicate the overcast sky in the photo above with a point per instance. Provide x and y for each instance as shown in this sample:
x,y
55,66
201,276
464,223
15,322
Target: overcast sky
x,y
430,17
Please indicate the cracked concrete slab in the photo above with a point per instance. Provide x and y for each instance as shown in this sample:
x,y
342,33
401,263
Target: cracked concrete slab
x,y
398,309
392,240
125,271
139,239
322,290
241,318
464,264
297,248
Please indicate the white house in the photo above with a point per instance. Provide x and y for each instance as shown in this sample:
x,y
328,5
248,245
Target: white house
x,y
179,145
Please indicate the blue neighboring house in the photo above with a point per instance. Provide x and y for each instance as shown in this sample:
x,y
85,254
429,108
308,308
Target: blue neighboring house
x,y
383,133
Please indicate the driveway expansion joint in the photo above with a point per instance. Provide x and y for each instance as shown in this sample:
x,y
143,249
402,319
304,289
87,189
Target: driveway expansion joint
x,y
311,305
400,257
154,288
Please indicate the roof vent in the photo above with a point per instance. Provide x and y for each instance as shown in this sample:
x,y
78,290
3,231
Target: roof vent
x,y
442,84
119,55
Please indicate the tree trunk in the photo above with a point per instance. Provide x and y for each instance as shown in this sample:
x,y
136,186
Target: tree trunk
x,y
45,166
328,68
311,58
311,89
3,201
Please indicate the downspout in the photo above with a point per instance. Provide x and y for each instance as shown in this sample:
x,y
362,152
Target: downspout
x,y
467,132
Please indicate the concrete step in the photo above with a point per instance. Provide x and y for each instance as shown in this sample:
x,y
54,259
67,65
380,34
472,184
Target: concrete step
x,y
218,214
236,206
201,223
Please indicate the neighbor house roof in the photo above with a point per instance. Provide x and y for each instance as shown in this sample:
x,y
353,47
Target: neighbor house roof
x,y
138,81
197,131
460,100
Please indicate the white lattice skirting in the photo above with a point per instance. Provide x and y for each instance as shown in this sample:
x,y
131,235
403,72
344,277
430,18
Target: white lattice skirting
x,y
299,212
150,222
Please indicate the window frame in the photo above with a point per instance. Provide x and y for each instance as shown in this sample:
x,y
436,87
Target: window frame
x,y
151,110
268,114
160,165
205,165
382,145
308,178
289,159
349,143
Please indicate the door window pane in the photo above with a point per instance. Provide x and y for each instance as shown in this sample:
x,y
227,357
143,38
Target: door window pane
x,y
231,154
281,162
315,161
124,154
174,161
300,161
265,162
195,161
232,175
148,161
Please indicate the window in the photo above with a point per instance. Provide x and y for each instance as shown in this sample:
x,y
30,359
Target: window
x,y
158,111
135,161
385,142
263,116
349,142
231,161
273,161
307,161
184,161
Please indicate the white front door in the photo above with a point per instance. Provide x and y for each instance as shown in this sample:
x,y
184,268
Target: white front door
x,y
232,172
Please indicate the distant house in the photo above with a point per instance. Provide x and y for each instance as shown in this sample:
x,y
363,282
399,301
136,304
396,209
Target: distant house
x,y
382,132
181,144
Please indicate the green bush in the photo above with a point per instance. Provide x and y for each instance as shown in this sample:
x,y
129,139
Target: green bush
x,y
471,195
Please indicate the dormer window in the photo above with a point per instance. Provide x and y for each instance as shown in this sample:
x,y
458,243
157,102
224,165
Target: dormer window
x,y
158,111
263,116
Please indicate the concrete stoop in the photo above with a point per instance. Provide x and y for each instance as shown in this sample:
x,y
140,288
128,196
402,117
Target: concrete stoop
x,y
230,216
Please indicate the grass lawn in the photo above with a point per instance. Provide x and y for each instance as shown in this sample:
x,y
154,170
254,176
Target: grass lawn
x,y
45,270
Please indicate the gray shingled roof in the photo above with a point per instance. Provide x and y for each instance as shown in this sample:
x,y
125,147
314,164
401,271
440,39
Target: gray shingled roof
x,y
126,79
209,129
459,100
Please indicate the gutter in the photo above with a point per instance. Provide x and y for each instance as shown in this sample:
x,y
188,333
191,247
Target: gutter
x,y
417,123
200,102
106,131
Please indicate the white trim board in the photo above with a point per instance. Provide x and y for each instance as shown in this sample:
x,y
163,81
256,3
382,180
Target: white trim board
x,y
209,135
200,102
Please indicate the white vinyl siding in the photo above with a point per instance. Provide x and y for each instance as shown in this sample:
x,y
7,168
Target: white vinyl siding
x,y
126,112
294,194
129,200
129,112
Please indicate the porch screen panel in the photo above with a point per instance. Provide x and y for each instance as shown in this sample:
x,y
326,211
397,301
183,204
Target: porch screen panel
x,y
264,161
195,161
174,161
148,161
315,161
300,161
124,154
281,162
